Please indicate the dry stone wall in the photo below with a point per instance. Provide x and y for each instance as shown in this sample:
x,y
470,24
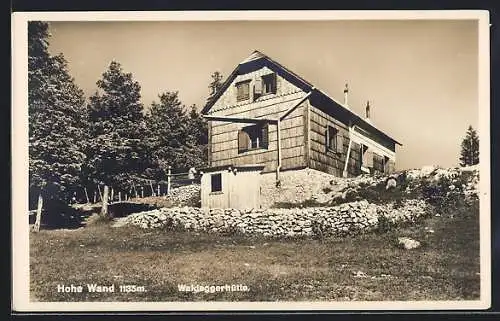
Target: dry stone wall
x,y
188,195
348,218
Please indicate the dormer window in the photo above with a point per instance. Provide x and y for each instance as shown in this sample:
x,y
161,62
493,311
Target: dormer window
x,y
243,90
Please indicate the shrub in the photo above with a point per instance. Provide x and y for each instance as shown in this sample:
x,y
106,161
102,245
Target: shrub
x,y
384,224
444,194
327,190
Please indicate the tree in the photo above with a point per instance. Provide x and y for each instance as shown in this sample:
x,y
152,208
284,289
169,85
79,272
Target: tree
x,y
197,137
117,154
172,135
215,85
56,120
469,155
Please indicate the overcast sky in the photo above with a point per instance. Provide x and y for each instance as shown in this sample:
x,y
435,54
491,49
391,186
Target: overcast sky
x,y
421,77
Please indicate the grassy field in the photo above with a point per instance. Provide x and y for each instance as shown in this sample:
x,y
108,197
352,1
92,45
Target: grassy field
x,y
366,267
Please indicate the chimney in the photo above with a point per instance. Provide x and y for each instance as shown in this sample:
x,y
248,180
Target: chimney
x,y
346,93
367,111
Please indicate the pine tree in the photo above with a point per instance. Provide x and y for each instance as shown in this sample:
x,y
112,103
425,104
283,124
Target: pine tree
x,y
56,120
168,129
215,85
197,137
117,154
469,154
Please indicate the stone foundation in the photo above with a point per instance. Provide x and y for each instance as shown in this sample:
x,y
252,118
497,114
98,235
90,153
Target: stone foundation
x,y
296,186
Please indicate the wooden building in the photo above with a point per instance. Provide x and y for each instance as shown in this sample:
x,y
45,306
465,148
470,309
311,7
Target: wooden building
x,y
266,114
221,186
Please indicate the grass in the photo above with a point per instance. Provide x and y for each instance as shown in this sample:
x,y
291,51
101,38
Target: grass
x,y
446,267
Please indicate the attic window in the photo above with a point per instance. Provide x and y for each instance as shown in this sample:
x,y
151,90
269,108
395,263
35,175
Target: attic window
x,y
253,137
333,140
269,84
243,90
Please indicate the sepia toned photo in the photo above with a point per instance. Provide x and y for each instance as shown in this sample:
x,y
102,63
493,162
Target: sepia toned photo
x,y
246,160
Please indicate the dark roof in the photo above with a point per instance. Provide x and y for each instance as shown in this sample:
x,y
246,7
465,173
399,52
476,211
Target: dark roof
x,y
257,60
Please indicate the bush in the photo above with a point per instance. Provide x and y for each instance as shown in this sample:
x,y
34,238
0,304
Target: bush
x,y
327,190
445,194
384,224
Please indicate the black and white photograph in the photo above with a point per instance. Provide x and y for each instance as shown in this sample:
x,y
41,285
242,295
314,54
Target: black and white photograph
x,y
251,160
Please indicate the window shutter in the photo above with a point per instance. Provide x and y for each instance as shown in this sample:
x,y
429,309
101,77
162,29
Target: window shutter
x,y
243,141
340,143
273,83
327,138
257,88
265,135
369,158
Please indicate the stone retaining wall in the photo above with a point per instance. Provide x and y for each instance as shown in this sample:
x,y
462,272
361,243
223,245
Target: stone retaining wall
x,y
188,195
296,186
348,218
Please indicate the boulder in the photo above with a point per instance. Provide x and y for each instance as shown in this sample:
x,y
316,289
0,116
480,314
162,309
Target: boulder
x,y
408,243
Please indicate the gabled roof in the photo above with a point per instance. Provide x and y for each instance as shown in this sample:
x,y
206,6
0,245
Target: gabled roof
x,y
257,60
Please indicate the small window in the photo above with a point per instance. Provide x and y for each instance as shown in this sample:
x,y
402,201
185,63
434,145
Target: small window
x,y
334,140
216,180
378,163
243,90
269,84
366,156
331,138
253,137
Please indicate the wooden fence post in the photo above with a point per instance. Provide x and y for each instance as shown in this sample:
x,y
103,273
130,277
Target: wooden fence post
x,y
119,196
38,213
152,189
135,190
95,196
86,195
158,190
112,195
100,193
142,191
169,179
104,208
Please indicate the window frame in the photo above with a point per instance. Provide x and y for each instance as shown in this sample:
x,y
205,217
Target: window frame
x,y
272,80
219,183
255,134
239,85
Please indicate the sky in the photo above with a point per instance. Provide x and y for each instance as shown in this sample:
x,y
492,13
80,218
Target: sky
x,y
420,76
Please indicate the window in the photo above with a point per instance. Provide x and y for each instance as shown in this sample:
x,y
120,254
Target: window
x,y
378,163
387,165
243,90
216,181
269,84
333,140
253,137
366,157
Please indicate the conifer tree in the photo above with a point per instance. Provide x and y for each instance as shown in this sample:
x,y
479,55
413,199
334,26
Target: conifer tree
x,y
469,154
167,126
56,120
215,85
117,153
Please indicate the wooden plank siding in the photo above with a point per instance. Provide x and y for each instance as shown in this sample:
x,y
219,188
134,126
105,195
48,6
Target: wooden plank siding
x,y
326,160
224,135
